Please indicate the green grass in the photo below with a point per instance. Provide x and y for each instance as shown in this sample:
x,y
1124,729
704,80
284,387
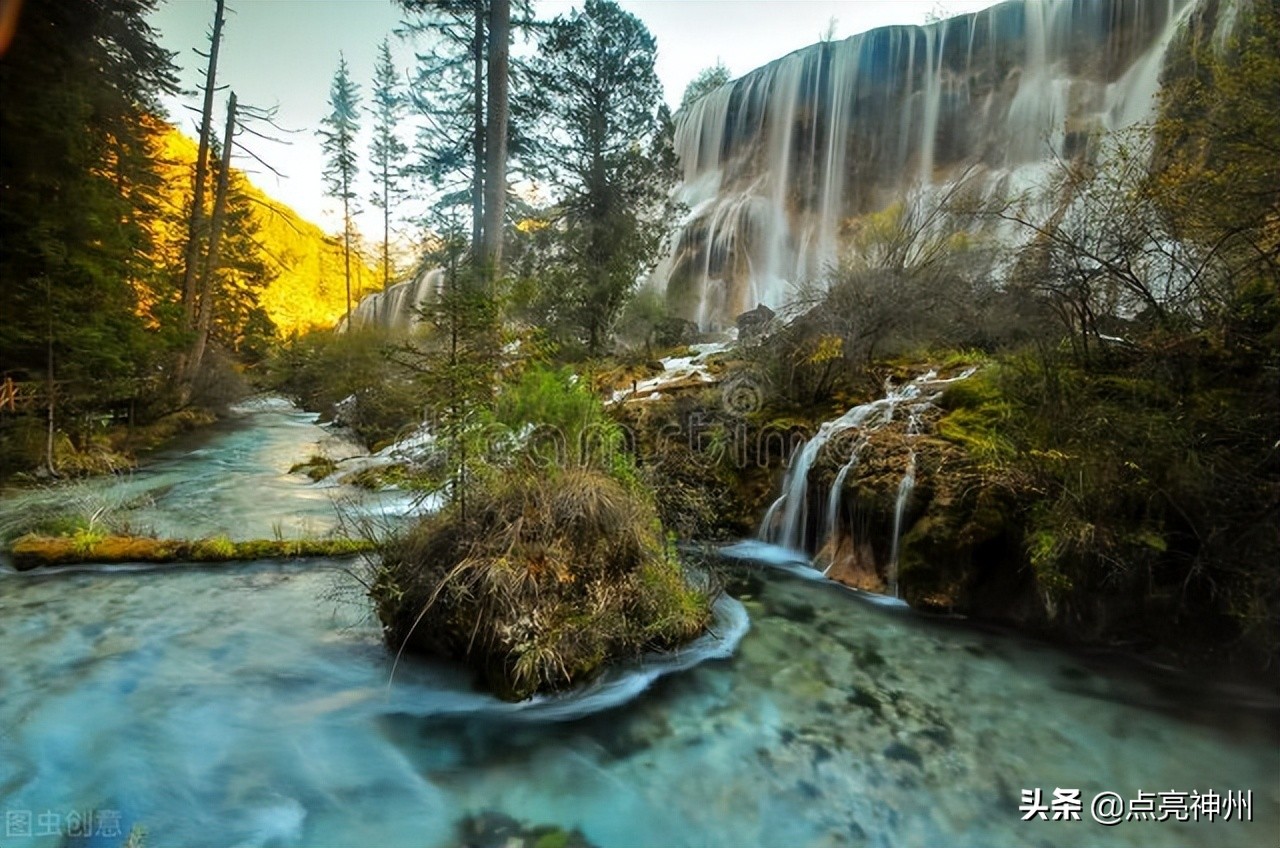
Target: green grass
x,y
317,467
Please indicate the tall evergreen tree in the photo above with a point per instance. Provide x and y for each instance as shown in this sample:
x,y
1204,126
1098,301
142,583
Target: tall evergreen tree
x,y
387,151
77,85
470,126
339,141
609,156
496,117
448,93
196,222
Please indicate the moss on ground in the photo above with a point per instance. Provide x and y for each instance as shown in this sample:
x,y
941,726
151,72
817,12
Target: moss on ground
x,y
317,467
34,551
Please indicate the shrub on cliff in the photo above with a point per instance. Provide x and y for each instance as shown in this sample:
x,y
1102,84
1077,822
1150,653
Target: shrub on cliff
x,y
539,582
1128,508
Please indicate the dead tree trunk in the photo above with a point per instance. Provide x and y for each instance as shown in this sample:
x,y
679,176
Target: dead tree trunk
x,y
215,239
190,294
495,170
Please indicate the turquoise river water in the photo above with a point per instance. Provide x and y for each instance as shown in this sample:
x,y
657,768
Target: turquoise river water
x,y
253,705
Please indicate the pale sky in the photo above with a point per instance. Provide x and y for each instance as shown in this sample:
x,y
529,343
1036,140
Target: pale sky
x,y
283,53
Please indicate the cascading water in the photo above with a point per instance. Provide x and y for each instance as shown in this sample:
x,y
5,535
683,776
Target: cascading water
x,y
776,162
914,428
249,704
793,502
837,487
899,509
398,307
786,521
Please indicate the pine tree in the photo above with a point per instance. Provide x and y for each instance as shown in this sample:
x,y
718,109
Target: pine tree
x,y
496,119
471,108
610,159
707,81
448,93
339,142
77,85
387,151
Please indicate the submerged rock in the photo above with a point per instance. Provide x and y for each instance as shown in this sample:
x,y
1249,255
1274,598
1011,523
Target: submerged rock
x,y
491,829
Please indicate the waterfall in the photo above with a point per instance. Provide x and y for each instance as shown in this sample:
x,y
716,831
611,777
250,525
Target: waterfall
x,y
793,502
778,161
837,487
398,307
899,508
786,521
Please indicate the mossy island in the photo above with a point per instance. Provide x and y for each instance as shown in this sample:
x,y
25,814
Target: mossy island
x,y
539,581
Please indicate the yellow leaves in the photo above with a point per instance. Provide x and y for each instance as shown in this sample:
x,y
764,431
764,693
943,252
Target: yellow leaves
x,y
829,347
532,225
885,223
959,241
308,289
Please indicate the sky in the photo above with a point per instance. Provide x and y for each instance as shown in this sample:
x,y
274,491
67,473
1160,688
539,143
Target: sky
x,y
283,53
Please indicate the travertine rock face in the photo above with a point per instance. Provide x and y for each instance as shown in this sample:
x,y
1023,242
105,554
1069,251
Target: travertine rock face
x,y
777,162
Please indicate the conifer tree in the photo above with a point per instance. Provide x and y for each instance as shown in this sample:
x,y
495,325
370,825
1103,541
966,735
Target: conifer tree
x,y
387,151
338,138
609,157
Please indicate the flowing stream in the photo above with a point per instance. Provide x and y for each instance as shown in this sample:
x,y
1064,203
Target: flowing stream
x,y
250,705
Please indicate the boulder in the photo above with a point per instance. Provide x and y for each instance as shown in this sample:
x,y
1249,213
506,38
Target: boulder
x,y
755,322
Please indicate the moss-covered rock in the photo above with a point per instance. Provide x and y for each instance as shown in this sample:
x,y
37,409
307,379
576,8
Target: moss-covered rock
x,y
538,582
33,551
317,467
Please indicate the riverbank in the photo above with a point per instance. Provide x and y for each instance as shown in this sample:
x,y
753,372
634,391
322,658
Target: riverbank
x,y
97,449
1129,505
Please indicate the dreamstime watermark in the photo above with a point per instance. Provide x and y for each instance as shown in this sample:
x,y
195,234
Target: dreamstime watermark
x,y
1110,808
730,434
71,823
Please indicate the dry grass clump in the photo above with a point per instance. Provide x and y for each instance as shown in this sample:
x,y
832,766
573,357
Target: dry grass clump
x,y
540,583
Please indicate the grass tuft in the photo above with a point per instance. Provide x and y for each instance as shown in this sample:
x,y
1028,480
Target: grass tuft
x,y
542,582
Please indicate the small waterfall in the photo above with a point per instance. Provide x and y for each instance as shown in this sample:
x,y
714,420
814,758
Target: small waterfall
x,y
900,506
786,521
793,502
837,487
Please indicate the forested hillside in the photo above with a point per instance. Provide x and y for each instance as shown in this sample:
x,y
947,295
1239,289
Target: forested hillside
x,y
116,299
302,267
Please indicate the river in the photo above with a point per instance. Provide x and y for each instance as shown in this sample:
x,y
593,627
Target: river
x,y
253,705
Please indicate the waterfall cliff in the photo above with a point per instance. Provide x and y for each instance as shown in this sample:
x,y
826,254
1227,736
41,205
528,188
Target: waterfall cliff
x,y
778,162
398,307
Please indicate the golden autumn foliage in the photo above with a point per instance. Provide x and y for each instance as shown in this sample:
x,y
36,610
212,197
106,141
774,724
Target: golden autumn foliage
x,y
306,289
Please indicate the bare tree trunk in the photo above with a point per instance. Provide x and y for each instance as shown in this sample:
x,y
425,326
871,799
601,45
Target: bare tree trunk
x,y
495,171
477,142
386,227
215,240
346,239
192,260
49,384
